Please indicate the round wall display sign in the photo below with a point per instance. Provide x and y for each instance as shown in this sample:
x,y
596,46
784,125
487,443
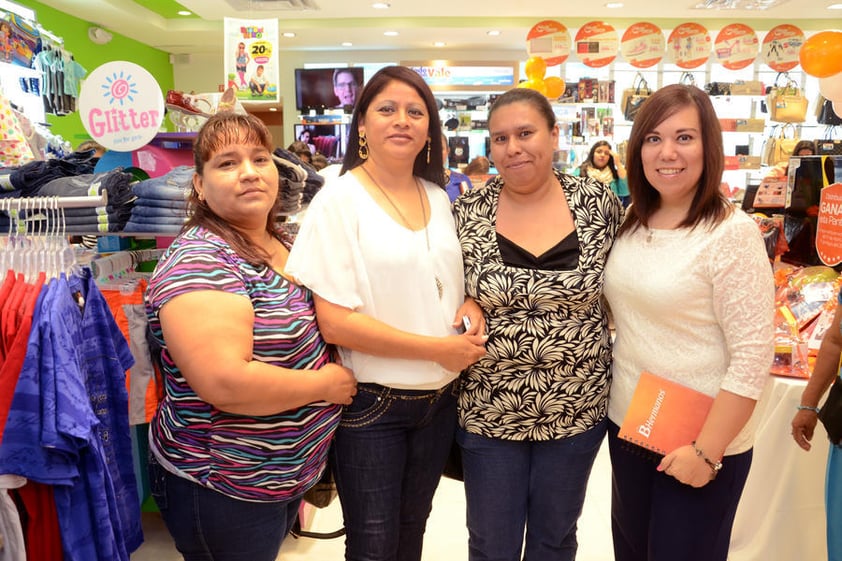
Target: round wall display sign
x,y
736,46
643,44
781,46
688,46
596,44
549,40
121,106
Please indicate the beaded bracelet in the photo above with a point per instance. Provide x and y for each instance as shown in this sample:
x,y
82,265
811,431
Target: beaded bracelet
x,y
714,466
808,408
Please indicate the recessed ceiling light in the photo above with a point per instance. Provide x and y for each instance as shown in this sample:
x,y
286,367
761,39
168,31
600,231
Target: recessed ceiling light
x,y
381,5
184,13
288,34
390,33
494,32
439,44
614,5
347,44
273,109
835,7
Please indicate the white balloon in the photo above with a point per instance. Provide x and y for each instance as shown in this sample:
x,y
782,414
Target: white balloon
x,y
831,87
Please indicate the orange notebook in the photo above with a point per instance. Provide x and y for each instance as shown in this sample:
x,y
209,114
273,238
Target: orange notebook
x,y
664,415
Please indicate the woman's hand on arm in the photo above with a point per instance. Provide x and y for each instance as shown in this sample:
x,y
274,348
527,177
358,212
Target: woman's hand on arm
x,y
824,372
209,335
473,312
342,326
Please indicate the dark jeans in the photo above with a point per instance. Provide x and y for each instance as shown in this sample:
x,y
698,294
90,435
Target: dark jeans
x,y
388,455
654,517
209,526
534,485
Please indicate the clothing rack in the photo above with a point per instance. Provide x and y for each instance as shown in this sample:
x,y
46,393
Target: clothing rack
x,y
54,202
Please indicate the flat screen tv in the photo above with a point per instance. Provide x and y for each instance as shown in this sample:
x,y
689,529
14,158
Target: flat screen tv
x,y
314,88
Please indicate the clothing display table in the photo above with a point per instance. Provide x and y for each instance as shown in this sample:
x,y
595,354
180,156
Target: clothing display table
x,y
781,516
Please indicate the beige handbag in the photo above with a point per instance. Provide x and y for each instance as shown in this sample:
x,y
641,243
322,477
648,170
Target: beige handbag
x,y
779,147
787,104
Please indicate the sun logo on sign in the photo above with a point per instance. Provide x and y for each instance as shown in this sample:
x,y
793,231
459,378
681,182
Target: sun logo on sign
x,y
119,88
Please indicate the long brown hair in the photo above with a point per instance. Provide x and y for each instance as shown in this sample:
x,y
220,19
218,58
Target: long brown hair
x,y
432,170
709,204
221,130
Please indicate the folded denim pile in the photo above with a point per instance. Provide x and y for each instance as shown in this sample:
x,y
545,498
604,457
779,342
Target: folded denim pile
x,y
104,219
25,180
161,204
299,181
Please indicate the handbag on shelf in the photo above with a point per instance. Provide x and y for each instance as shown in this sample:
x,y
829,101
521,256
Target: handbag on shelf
x,y
830,413
687,79
825,115
778,148
786,103
634,97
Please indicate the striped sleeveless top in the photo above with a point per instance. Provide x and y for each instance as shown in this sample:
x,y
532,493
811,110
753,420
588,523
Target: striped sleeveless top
x,y
267,458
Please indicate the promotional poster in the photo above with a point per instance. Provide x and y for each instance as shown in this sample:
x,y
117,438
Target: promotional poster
x,y
251,58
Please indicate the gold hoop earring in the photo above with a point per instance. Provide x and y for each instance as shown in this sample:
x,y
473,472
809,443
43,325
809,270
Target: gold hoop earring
x,y
363,149
429,147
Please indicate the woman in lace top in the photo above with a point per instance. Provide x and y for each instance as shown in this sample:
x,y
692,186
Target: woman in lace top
x,y
691,292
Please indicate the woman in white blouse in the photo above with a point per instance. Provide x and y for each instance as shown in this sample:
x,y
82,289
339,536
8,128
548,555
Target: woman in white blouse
x,y
378,248
691,290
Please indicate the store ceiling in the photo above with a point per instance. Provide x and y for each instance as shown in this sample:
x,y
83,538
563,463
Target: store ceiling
x,y
461,24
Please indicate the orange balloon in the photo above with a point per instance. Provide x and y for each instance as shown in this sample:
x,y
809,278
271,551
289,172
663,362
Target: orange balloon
x,y
821,54
555,86
535,68
539,86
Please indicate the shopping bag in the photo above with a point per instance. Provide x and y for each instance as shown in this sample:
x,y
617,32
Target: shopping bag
x,y
634,97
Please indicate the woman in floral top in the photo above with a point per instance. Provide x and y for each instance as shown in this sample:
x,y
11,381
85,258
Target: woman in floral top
x,y
532,410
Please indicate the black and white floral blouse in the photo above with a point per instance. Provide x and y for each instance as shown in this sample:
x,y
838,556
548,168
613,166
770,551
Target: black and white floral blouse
x,y
546,371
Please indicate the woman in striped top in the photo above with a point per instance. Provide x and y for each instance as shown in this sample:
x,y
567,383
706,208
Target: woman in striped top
x,y
252,397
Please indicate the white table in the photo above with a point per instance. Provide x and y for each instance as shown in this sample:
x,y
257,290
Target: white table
x,y
781,516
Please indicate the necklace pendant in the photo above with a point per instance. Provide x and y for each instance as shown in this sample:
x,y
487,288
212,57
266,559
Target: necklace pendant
x,y
649,237
439,287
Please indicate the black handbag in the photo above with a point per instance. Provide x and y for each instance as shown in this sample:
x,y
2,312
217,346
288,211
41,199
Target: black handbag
x,y
453,465
826,115
634,97
830,413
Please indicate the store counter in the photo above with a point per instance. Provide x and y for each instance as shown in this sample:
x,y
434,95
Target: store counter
x,y
781,516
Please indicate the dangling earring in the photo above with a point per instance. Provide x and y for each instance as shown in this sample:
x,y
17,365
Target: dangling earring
x,y
363,150
429,143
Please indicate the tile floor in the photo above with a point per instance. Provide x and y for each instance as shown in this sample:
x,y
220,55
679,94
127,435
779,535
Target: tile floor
x,y
446,536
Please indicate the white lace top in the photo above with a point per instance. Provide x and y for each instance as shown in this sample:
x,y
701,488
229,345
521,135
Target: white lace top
x,y
695,306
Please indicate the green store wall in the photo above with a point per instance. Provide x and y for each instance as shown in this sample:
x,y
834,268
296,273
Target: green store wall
x,y
74,32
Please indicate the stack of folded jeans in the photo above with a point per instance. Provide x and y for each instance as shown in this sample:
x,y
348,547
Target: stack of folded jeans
x,y
292,175
110,218
30,177
161,205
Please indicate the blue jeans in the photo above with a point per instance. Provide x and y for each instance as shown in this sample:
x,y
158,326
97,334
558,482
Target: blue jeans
x,y
654,517
140,210
176,185
534,485
388,455
209,526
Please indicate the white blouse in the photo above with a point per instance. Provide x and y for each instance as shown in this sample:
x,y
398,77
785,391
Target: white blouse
x,y
350,252
695,306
